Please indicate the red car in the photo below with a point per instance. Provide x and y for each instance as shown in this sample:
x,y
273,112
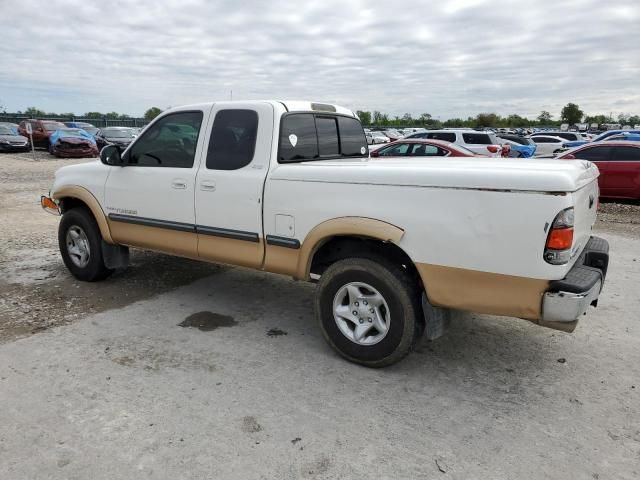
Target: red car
x,y
619,165
418,147
42,130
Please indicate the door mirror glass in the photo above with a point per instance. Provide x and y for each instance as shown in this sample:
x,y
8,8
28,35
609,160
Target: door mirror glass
x,y
110,155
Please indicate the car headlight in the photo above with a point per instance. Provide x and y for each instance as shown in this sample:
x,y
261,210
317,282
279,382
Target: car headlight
x,y
6,142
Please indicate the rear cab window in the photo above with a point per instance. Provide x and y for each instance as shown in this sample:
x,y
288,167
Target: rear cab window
x,y
318,136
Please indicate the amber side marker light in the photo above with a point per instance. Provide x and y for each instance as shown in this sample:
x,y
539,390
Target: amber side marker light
x,y
48,205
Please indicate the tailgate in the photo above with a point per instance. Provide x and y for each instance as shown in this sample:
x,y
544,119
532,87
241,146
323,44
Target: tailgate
x,y
585,201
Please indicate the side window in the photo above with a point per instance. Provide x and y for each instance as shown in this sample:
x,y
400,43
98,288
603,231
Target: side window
x,y
542,139
233,139
445,136
396,150
595,154
626,154
298,139
170,142
425,150
476,138
327,129
352,141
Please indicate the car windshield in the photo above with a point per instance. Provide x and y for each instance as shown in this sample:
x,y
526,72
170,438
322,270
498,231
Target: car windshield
x,y
52,126
117,133
70,132
6,130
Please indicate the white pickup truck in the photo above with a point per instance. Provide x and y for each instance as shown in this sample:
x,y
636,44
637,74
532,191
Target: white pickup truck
x,y
394,243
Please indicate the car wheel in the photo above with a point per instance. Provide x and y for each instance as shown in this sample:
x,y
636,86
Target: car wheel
x,y
368,310
80,245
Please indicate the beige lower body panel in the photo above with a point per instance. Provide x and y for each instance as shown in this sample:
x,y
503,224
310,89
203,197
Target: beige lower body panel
x,y
483,292
183,244
231,251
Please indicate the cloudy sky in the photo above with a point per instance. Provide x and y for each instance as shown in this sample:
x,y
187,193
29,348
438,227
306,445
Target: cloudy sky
x,y
450,58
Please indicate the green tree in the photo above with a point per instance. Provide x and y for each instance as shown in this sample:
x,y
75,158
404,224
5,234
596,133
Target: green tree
x,y
34,112
406,119
365,117
152,113
487,120
571,113
544,117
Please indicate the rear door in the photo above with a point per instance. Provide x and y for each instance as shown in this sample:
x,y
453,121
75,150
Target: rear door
x,y
229,184
624,171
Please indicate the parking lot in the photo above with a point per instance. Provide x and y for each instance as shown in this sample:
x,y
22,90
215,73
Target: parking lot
x,y
99,380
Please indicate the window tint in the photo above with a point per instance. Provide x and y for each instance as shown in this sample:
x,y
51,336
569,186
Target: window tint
x,y
545,140
233,139
594,154
425,150
298,140
169,142
352,141
398,150
418,135
327,129
626,154
477,138
445,136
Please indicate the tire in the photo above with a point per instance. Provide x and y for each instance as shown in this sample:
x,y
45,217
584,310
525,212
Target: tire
x,y
80,245
370,278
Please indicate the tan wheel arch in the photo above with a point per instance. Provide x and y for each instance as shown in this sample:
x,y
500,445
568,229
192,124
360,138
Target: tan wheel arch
x,y
343,226
84,195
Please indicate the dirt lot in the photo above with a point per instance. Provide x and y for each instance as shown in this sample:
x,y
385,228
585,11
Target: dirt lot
x,y
124,389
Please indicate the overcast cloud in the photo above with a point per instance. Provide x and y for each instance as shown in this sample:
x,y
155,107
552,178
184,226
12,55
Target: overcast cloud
x,y
451,58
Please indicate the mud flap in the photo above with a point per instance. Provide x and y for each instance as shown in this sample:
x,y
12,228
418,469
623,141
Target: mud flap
x,y
436,319
115,256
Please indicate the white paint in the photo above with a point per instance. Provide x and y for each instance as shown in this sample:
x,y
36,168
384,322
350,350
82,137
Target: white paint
x,y
293,139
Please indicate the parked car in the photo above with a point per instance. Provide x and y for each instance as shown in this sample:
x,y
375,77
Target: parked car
x,y
393,244
391,133
619,165
602,136
629,137
419,147
12,126
83,125
374,138
521,147
120,136
567,136
12,142
41,131
547,144
483,143
72,143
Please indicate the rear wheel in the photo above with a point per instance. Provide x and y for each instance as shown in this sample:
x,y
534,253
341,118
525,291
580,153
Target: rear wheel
x,y
80,244
368,310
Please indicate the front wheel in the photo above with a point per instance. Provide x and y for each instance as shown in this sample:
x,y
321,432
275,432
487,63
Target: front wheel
x,y
368,310
80,245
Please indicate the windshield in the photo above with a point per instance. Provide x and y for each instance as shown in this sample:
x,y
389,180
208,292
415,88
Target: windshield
x,y
6,131
70,132
119,133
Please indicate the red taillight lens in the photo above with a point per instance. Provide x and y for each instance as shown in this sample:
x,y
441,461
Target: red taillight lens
x,y
560,239
492,149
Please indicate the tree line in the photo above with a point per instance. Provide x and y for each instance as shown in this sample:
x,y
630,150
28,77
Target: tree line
x,y
571,114
34,112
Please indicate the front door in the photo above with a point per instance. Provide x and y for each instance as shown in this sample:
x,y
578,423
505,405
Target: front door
x,y
230,183
150,200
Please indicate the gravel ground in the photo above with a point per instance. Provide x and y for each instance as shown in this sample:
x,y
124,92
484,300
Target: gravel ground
x,y
126,387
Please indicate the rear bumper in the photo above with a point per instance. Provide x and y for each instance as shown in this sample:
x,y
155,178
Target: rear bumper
x,y
569,298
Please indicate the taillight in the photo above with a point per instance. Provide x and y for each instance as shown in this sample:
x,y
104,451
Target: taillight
x,y
560,239
492,149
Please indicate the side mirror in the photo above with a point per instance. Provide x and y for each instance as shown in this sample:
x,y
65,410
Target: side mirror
x,y
570,156
110,155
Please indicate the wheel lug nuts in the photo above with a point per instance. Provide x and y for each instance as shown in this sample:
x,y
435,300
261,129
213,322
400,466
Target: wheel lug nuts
x,y
365,303
356,304
369,320
371,310
361,320
355,312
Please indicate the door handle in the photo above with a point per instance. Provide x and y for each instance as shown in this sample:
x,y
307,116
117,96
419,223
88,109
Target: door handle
x,y
208,186
178,184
